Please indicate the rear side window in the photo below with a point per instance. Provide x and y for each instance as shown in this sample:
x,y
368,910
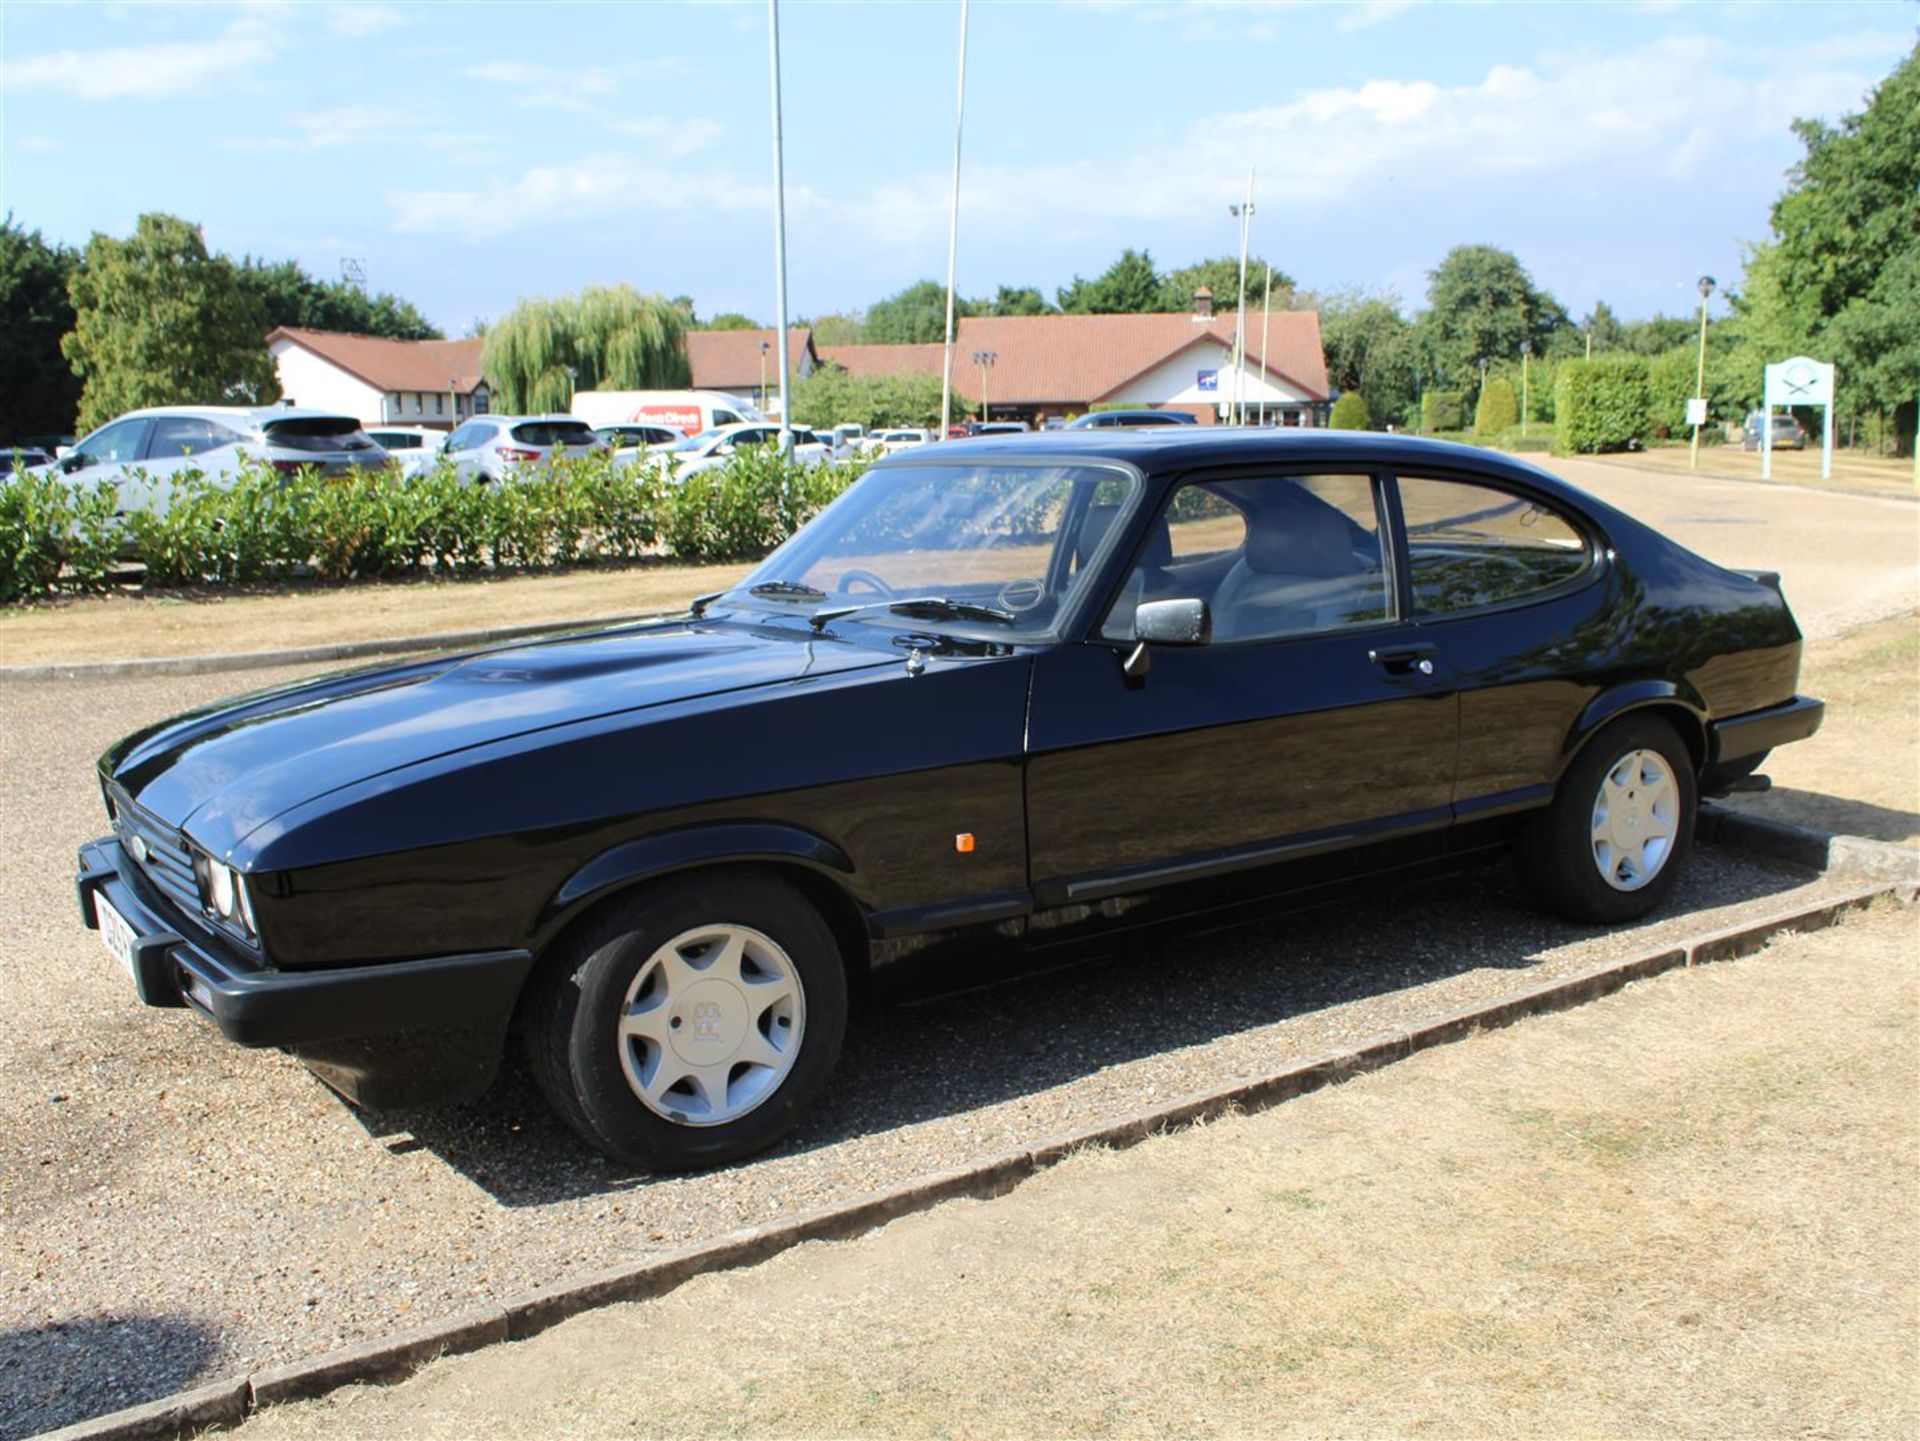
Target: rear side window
x,y
318,434
724,417
1471,546
554,432
178,435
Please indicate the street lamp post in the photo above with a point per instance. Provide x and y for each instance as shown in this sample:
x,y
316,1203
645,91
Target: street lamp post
x,y
779,226
765,346
1700,375
1526,350
1244,214
953,232
984,359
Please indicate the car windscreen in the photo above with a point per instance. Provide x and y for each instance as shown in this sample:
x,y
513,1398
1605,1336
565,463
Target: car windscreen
x,y
318,434
1018,539
554,432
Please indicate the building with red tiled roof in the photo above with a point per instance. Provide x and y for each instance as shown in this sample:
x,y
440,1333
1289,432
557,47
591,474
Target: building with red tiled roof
x,y
743,362
435,383
1056,365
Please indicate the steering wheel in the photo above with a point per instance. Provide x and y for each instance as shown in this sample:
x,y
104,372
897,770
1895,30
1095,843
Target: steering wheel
x,y
866,578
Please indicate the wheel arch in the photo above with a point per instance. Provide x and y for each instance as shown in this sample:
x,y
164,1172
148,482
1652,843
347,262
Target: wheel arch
x,y
820,870
1678,704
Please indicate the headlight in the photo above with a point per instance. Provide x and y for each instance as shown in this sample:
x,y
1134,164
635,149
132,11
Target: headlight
x,y
224,892
220,889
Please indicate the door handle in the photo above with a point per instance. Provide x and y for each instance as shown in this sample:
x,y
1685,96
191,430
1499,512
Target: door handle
x,y
1405,659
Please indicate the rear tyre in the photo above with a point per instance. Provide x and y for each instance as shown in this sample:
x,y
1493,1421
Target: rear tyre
x,y
691,1023
1610,846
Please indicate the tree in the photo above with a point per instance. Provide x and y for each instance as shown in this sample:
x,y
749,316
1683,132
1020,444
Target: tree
x,y
837,327
1014,300
1129,286
1603,328
1847,243
1350,412
1222,277
830,396
159,321
1658,334
290,296
41,392
606,337
731,320
1370,348
1481,305
915,316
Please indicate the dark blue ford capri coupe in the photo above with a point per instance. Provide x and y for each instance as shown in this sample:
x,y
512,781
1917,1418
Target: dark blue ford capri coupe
x,y
1000,697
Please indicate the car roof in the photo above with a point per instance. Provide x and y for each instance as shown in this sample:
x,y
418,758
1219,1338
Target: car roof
x,y
1159,449
252,414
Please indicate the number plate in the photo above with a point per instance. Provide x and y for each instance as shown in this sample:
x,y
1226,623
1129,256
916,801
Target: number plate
x,y
115,934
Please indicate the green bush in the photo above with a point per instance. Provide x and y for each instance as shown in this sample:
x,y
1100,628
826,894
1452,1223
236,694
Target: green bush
x,y
260,524
1350,412
1601,404
1443,410
1497,410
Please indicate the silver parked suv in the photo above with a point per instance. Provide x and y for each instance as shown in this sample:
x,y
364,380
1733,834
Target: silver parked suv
x,y
492,447
145,450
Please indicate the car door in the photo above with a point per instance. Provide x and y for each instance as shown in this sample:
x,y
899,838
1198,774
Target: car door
x,y
463,450
109,454
178,447
1503,583
1316,719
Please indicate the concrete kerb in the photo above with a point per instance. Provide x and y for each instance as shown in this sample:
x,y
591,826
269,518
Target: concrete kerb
x,y
1855,857
306,655
394,1358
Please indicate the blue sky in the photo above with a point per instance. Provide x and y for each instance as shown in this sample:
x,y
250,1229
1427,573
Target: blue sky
x,y
472,154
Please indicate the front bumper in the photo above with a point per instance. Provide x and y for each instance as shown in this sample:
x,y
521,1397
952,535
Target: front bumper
x,y
177,962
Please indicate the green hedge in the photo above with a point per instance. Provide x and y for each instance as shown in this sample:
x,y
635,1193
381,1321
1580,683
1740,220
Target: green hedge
x,y
1498,408
261,525
1350,412
1601,404
1443,410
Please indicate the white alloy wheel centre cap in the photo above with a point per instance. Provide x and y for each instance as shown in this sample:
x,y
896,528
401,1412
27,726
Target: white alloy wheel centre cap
x,y
709,1023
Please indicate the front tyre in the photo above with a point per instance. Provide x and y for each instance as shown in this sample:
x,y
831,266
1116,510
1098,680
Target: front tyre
x,y
1611,845
690,1024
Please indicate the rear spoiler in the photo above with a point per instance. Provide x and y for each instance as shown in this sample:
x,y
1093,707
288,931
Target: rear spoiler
x,y
1769,578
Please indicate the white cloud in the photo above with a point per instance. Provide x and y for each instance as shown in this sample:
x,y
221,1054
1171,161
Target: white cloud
x,y
357,21
596,186
166,70
672,137
360,124
1598,122
1365,14
554,82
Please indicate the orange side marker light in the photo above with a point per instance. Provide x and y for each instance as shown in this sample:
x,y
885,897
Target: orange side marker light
x,y
963,843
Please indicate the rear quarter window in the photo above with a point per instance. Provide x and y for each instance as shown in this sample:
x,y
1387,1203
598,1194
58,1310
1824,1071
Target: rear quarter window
x,y
554,432
318,435
1472,546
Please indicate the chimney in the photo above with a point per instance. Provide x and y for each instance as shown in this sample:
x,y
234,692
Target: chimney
x,y
1203,303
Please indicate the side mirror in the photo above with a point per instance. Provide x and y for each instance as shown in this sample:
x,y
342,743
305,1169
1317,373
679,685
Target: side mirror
x,y
1164,622
1173,622
73,461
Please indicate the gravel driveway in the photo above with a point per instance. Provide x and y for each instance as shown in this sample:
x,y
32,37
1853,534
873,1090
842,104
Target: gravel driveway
x,y
175,1208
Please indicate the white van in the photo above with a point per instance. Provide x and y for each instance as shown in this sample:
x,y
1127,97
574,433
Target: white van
x,y
688,411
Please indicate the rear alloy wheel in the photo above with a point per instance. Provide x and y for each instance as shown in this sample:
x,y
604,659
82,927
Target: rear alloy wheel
x,y
1611,845
690,1023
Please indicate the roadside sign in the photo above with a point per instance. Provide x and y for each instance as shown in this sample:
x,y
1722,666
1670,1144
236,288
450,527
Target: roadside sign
x,y
1697,410
1209,380
1799,381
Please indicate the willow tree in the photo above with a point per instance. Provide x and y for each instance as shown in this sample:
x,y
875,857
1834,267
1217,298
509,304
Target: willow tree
x,y
608,337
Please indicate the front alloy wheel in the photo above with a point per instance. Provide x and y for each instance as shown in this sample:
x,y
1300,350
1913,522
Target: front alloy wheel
x,y
1636,817
689,1023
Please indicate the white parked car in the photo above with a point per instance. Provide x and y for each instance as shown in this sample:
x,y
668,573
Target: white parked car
x,y
888,441
145,450
637,444
493,447
414,448
711,449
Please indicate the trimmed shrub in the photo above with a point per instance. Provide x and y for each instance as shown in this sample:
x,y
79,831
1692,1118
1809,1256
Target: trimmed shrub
x,y
1600,404
1350,412
1498,409
1443,410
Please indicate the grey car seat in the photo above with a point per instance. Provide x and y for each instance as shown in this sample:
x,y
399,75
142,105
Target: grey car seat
x,y
1297,571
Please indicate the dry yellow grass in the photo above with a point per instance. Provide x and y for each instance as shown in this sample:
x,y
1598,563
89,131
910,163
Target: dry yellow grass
x,y
1687,1210
1852,470
124,626
1861,774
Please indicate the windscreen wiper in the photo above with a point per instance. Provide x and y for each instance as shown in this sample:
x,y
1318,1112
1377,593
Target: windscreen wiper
x,y
925,607
788,590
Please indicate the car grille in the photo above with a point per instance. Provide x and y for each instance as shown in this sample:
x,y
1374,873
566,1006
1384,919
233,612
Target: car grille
x,y
168,864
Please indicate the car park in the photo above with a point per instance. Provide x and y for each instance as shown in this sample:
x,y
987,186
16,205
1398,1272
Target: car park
x,y
1111,419
898,438
688,411
145,451
1788,433
997,702
415,449
639,444
712,449
26,457
490,448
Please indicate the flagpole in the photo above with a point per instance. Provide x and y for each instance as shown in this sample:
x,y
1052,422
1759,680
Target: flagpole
x,y
779,230
1266,314
953,231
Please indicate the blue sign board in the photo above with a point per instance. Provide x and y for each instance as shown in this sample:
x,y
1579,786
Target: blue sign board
x,y
1209,380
